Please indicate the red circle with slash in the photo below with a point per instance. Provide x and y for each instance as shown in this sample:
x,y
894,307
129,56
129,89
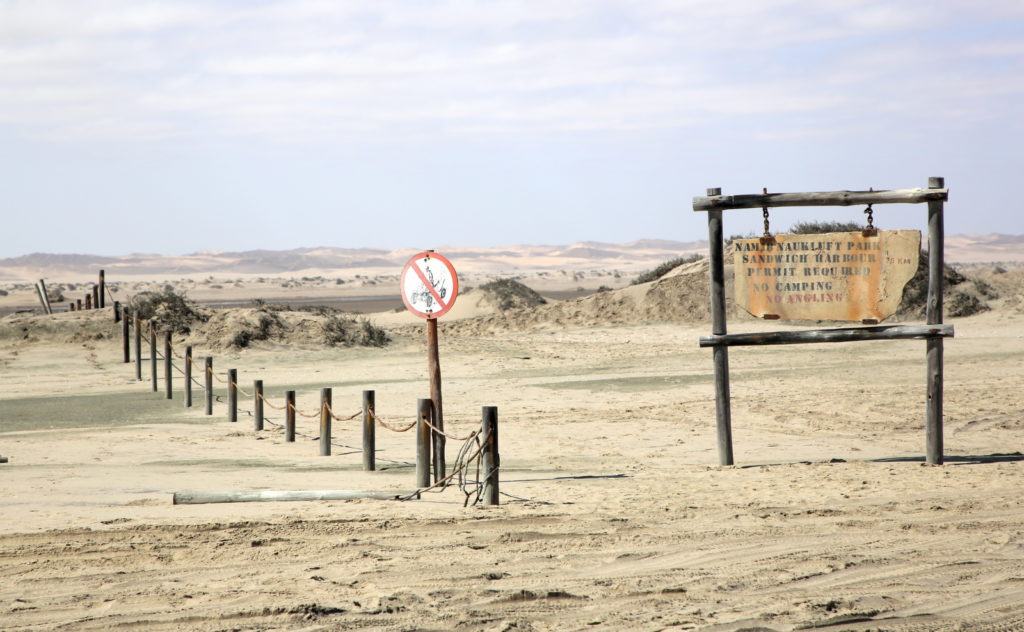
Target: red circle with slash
x,y
429,285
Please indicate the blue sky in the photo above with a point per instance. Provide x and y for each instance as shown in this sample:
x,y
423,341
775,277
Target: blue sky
x,y
171,127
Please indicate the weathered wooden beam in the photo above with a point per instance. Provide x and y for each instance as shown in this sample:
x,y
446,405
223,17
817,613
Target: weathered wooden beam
x,y
821,198
199,497
845,334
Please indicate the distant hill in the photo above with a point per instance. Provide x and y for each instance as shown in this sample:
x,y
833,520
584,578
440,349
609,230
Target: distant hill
x,y
629,257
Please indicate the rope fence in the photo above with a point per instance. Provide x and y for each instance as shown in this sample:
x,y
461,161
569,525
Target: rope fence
x,y
474,470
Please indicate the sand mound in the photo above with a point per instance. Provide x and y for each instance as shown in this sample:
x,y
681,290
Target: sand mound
x,y
682,295
65,327
245,327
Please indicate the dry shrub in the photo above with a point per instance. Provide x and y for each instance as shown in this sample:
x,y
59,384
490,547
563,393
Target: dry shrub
x,y
511,294
168,310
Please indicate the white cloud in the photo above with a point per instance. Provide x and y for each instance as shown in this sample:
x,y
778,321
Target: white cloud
x,y
301,70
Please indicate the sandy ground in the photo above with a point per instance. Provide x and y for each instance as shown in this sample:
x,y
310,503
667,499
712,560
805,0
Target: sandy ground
x,y
614,516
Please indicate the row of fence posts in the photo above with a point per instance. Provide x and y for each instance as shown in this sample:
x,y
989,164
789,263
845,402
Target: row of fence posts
x,y
426,434
96,298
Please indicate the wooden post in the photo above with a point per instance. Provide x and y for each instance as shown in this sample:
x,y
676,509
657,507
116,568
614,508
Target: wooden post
x,y
491,460
117,311
95,297
289,416
188,376
437,418
720,354
126,344
88,301
325,422
168,368
78,304
232,394
424,407
936,259
71,306
44,297
152,356
208,371
369,431
257,404
101,300
138,347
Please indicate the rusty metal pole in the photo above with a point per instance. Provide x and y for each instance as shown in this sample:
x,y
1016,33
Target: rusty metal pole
x,y
434,371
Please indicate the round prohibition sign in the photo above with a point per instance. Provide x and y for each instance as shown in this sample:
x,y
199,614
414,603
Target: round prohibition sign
x,y
429,285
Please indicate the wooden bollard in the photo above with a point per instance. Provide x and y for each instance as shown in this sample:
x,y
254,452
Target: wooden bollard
x,y
117,311
188,376
289,416
71,307
257,404
490,460
369,431
126,340
152,356
101,288
232,394
138,347
95,297
325,422
168,365
208,371
88,303
424,407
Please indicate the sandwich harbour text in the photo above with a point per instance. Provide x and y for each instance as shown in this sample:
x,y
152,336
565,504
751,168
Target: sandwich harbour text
x,y
788,272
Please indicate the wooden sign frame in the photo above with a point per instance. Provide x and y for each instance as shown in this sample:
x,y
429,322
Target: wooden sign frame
x,y
933,332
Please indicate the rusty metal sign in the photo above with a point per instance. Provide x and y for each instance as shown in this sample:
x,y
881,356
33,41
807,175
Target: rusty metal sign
x,y
831,276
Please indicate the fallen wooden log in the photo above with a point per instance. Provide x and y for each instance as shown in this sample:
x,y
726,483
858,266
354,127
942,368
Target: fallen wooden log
x,y
198,498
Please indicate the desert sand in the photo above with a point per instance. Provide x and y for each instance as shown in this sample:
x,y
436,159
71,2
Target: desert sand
x,y
614,515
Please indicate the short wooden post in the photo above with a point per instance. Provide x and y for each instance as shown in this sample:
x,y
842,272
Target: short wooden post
x,y
168,365
117,311
188,376
369,431
257,404
424,407
936,258
490,458
208,371
720,354
232,394
88,301
126,340
78,304
138,347
325,422
289,416
152,356
101,300
95,297
71,306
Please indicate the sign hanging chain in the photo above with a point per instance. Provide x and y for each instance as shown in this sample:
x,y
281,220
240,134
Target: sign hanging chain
x,y
767,237
870,230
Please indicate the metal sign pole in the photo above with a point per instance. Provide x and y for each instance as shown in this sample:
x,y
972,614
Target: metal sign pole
x,y
434,370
